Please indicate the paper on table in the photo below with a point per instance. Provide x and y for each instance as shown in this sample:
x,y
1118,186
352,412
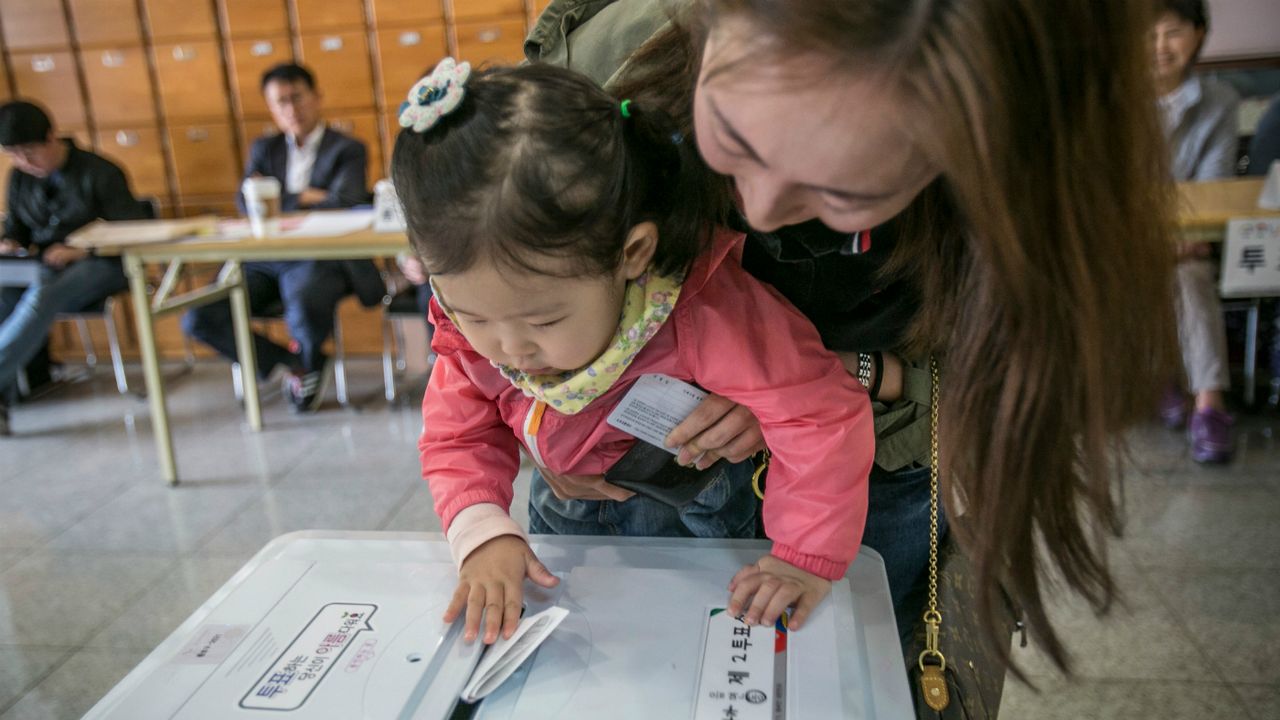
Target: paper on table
x,y
330,223
112,233
504,656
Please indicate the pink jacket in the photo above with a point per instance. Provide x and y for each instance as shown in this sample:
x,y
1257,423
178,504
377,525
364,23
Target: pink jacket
x,y
729,334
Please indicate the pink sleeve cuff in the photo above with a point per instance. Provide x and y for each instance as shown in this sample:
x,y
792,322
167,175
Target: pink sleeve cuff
x,y
816,564
476,525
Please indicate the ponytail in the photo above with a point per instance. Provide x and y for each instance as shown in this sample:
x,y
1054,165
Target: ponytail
x,y
678,191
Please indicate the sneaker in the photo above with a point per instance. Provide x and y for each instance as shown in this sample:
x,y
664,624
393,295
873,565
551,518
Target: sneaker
x,y
1211,436
306,389
1173,408
5,430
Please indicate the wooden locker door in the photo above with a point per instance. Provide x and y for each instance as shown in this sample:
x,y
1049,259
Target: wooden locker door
x,y
321,15
363,127
6,91
496,42
191,81
30,24
119,86
488,9
50,78
340,62
249,60
252,130
245,18
180,19
205,159
405,55
105,22
139,150
223,205
6,165
387,13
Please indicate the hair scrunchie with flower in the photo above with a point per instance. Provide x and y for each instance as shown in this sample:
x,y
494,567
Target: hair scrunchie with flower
x,y
435,95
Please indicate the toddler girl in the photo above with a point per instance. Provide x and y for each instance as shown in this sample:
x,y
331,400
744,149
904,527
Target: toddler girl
x,y
574,245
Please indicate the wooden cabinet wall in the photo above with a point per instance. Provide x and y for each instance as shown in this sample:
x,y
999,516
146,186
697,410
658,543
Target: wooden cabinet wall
x,y
52,77
119,85
191,80
169,89
105,22
404,54
340,61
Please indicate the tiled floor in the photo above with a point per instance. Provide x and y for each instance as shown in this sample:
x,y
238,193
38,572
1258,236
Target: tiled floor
x,y
99,560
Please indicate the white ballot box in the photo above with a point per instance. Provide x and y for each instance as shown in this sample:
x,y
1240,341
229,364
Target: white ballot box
x,y
340,626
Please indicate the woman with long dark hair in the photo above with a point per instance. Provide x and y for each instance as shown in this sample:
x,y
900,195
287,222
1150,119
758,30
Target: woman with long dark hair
x,y
976,181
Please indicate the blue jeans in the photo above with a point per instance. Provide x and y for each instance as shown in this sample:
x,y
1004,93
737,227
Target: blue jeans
x,y
26,314
726,508
308,291
898,529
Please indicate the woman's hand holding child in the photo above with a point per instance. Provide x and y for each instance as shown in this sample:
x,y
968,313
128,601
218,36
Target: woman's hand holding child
x,y
490,583
772,585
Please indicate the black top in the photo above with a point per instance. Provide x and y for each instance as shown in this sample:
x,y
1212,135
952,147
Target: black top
x,y
835,285
44,211
340,169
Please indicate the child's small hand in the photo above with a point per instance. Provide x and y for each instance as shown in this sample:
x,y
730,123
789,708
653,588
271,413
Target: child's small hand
x,y
773,585
491,579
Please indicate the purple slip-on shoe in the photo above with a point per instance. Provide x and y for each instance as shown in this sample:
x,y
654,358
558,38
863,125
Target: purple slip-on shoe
x,y
1211,436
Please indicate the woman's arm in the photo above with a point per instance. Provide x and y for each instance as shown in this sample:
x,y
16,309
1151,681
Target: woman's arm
x,y
720,428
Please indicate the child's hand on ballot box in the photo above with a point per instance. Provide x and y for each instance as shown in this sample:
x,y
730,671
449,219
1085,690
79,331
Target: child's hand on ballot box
x,y
491,584
764,590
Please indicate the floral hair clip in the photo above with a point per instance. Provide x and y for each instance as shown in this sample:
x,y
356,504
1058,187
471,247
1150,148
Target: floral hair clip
x,y
435,95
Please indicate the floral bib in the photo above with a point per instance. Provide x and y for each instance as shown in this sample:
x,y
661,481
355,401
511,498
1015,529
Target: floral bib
x,y
649,301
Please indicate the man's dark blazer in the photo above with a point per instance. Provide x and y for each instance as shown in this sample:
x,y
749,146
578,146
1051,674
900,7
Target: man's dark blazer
x,y
340,168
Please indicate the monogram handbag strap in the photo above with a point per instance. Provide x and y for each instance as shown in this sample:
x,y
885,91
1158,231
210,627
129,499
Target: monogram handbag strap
x,y
933,664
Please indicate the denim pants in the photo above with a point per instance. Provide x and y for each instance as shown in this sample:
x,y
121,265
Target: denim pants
x,y
26,314
898,529
726,508
308,290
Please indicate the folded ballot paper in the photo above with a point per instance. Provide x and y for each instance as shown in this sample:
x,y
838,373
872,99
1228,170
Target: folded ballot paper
x,y
504,656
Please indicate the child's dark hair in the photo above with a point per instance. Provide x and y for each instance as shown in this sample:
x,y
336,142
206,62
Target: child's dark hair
x,y
539,161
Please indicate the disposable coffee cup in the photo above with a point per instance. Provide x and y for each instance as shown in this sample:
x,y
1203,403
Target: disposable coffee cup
x,y
262,205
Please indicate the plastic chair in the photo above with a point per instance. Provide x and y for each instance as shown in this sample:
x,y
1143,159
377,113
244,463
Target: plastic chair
x,y
397,307
103,310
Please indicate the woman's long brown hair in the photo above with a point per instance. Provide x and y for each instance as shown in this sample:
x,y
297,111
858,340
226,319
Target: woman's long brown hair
x,y
1044,253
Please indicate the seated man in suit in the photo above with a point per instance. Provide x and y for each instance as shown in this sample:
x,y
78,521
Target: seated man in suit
x,y
55,188
318,168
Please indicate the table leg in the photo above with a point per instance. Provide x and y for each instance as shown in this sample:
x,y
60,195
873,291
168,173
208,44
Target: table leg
x,y
151,366
1251,353
244,345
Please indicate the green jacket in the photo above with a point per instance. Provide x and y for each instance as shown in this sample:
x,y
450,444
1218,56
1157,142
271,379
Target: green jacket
x,y
596,38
